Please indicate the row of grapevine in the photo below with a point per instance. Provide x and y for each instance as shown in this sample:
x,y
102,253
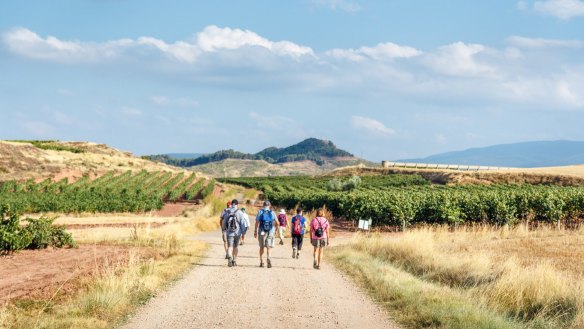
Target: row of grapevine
x,y
423,203
126,192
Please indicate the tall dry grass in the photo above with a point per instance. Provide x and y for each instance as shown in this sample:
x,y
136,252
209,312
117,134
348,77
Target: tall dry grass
x,y
533,293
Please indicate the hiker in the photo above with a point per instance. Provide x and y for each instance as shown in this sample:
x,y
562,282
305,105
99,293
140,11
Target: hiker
x,y
232,223
222,230
319,236
265,229
298,226
283,221
245,225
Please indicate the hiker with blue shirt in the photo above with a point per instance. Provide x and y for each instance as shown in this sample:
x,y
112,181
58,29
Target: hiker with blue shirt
x,y
232,226
298,227
265,230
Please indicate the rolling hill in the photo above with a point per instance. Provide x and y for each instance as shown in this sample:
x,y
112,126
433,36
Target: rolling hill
x,y
519,155
311,149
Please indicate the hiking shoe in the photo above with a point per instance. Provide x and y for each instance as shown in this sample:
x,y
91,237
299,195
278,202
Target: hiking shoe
x,y
269,263
281,242
226,256
262,264
234,263
241,243
297,255
293,253
314,264
317,267
230,262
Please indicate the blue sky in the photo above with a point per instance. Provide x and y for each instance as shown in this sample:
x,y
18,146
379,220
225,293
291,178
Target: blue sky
x,y
383,79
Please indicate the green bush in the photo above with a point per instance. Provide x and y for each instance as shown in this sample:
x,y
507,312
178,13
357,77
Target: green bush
x,y
37,234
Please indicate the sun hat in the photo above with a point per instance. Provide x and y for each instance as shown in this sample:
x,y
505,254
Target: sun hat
x,y
282,212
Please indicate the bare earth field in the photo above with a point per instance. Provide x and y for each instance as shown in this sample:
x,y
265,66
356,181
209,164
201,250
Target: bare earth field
x,y
41,273
289,295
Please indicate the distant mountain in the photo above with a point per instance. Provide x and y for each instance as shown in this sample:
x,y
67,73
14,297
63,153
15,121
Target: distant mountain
x,y
520,155
311,149
184,155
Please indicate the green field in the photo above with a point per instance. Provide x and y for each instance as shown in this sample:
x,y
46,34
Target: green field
x,y
411,199
126,192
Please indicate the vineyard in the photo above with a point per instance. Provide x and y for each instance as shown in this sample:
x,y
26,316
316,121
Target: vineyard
x,y
410,199
126,192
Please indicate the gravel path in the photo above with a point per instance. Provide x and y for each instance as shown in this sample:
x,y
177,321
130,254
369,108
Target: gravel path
x,y
289,295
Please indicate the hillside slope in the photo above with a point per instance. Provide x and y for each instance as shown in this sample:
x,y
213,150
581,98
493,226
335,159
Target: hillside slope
x,y
21,160
311,149
255,168
519,155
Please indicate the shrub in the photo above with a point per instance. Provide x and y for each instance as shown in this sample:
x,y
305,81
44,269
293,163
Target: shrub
x,y
38,234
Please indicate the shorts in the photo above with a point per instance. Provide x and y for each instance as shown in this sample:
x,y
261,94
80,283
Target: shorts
x,y
233,241
318,243
266,240
243,230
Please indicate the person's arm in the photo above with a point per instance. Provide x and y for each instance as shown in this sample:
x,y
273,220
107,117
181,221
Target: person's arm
x,y
257,224
277,222
328,232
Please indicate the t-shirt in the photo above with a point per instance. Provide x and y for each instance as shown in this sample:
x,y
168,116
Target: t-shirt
x,y
238,218
245,220
315,224
260,218
302,222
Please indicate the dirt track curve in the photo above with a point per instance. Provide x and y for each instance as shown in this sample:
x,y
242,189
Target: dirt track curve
x,y
289,295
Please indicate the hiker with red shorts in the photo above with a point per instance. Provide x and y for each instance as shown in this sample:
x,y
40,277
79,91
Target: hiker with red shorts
x,y
298,226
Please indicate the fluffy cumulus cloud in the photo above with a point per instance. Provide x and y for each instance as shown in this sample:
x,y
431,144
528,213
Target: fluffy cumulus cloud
x,y
528,72
211,40
562,9
372,126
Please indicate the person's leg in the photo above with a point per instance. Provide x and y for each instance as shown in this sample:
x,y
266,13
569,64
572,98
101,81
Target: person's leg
x,y
300,240
319,256
294,245
269,246
262,245
230,251
235,249
223,234
314,253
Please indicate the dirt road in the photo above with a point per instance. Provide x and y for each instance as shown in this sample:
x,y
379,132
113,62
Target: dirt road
x,y
289,295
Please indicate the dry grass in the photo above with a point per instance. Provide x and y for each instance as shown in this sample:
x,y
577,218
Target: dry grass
x,y
104,300
532,288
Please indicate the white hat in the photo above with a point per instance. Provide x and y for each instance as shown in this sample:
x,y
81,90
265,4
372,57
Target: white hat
x,y
282,212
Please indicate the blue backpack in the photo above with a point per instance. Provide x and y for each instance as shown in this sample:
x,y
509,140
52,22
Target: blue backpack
x,y
267,221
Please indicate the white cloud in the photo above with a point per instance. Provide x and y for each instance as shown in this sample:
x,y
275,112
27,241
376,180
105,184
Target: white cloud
x,y
382,51
344,5
563,9
460,59
212,39
371,125
131,111
524,42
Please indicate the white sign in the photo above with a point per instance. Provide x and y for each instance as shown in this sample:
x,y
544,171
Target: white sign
x,y
364,224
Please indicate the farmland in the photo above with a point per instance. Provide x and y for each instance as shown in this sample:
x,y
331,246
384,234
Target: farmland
x,y
109,193
410,199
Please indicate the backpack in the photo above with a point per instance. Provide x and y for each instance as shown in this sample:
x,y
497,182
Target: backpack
x,y
297,227
267,221
319,231
232,222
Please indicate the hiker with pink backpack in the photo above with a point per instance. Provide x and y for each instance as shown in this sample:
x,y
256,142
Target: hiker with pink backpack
x,y
319,236
298,224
